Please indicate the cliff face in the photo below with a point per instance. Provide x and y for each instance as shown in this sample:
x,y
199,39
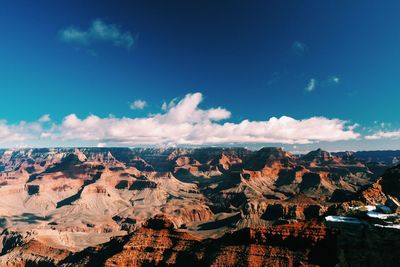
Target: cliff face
x,y
284,245
211,206
391,181
366,245
307,244
369,235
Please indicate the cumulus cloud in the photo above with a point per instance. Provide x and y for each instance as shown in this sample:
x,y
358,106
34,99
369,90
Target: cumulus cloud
x,y
13,133
9,133
138,104
187,124
384,135
311,85
183,123
99,31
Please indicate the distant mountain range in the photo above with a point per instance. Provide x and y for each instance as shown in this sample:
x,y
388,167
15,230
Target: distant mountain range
x,y
385,156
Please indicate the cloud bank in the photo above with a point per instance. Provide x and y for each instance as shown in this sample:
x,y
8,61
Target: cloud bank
x,y
99,31
16,133
384,135
183,122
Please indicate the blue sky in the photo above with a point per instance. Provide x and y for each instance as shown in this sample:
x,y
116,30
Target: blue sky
x,y
299,59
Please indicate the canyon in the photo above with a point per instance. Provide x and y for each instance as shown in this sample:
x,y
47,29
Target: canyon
x,y
200,206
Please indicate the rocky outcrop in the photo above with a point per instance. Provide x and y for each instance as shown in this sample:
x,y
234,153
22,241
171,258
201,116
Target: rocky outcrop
x,y
373,194
22,250
268,156
388,186
391,182
309,244
320,156
283,245
368,230
367,245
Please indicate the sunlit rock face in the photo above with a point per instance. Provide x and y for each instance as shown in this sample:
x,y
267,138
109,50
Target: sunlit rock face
x,y
368,228
204,206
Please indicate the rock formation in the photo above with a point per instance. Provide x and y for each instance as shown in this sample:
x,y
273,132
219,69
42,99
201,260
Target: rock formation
x,y
208,206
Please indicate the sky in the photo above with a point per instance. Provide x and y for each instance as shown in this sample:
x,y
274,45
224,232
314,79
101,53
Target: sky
x,y
296,74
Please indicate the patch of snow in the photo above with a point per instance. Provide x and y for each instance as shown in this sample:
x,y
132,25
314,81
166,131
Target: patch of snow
x,y
342,219
379,215
370,207
367,207
393,226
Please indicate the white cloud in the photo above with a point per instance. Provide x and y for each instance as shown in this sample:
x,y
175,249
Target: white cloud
x,y
311,85
299,48
183,123
186,123
45,135
354,126
384,135
334,79
22,131
9,133
99,31
138,104
45,118
171,104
